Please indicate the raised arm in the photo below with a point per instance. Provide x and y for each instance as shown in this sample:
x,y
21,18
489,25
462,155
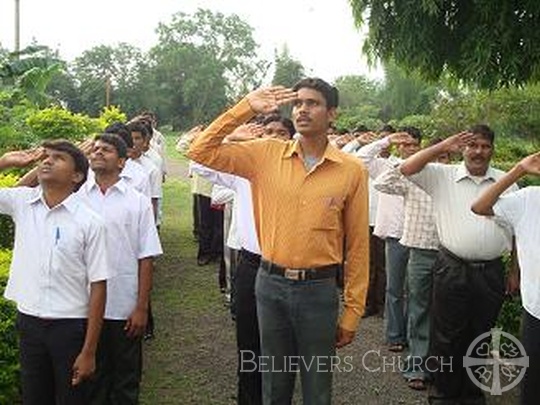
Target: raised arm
x,y
484,204
20,158
419,160
238,158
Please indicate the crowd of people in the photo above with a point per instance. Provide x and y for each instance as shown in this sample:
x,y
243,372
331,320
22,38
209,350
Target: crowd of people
x,y
311,230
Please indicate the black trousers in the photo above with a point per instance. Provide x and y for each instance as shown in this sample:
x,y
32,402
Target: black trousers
x,y
118,366
247,327
377,275
210,229
530,337
466,300
48,349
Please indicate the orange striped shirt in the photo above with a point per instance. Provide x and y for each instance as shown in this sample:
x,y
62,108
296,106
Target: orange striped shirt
x,y
302,218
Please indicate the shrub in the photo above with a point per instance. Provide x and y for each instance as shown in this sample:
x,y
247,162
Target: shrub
x,y
111,115
9,364
56,122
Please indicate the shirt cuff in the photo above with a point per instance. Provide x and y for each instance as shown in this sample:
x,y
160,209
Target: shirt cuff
x,y
349,320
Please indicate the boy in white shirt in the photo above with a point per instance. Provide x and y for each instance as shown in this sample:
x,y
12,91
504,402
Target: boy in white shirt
x,y
57,277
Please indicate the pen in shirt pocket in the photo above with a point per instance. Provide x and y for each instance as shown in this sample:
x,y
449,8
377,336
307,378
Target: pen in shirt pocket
x,y
57,236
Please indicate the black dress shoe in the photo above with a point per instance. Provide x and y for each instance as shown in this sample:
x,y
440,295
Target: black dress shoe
x,y
203,261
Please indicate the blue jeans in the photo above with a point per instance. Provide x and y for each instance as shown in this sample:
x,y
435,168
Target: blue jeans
x,y
395,314
419,281
296,318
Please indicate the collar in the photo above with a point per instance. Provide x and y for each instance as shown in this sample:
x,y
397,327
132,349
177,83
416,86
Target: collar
x,y
70,203
294,148
120,185
463,173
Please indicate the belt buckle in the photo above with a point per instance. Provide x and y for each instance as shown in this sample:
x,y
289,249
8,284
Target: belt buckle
x,y
294,274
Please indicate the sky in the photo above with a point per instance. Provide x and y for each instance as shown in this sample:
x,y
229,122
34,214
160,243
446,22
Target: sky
x,y
319,33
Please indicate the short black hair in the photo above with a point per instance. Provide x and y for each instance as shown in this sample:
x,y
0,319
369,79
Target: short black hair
x,y
122,131
484,131
414,132
287,123
388,128
329,92
116,141
80,161
138,126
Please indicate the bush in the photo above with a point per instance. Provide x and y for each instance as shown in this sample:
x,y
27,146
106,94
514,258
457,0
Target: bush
x,y
7,228
9,355
111,115
56,122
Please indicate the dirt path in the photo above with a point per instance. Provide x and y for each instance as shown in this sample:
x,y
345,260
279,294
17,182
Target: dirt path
x,y
192,359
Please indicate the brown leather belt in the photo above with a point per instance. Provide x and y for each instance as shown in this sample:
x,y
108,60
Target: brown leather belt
x,y
315,273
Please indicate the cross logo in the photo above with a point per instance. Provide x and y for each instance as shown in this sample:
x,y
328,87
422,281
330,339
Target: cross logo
x,y
496,361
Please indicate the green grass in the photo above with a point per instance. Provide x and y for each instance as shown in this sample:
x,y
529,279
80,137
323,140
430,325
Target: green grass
x,y
193,328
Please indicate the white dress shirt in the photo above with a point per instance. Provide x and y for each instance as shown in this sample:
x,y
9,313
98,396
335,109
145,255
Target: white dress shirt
x,y
224,195
131,235
243,204
136,177
520,211
58,252
154,173
390,208
453,190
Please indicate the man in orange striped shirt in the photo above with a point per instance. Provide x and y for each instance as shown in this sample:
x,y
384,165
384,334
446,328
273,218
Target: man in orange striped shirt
x,y
310,200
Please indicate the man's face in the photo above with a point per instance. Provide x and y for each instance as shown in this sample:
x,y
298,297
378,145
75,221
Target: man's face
x,y
138,144
477,155
310,114
58,167
276,130
409,148
104,158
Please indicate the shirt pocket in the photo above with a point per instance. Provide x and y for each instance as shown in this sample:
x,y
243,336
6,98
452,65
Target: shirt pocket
x,y
326,213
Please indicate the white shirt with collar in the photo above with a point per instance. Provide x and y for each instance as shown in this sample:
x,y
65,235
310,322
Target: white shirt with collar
x,y
58,252
243,205
136,177
154,173
224,195
453,190
390,208
520,211
131,235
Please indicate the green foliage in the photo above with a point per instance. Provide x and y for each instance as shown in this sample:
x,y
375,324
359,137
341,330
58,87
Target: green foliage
x,y
7,228
56,122
405,94
287,70
9,364
486,43
110,115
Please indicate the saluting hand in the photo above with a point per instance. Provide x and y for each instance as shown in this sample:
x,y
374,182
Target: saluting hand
x,y
531,164
268,100
246,132
22,158
457,142
400,137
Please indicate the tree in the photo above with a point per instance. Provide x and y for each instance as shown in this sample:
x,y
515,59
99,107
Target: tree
x,y
360,102
201,62
405,94
228,39
119,66
486,43
287,70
